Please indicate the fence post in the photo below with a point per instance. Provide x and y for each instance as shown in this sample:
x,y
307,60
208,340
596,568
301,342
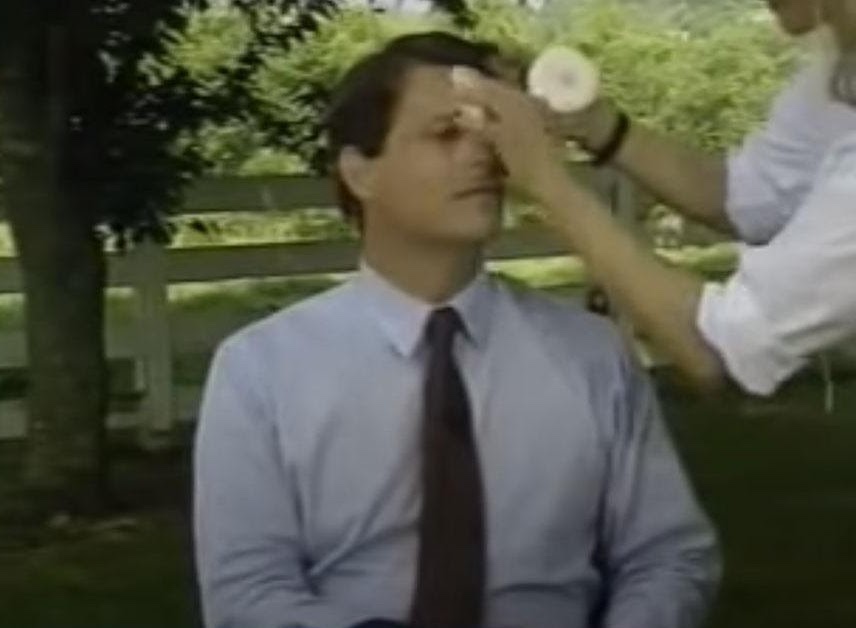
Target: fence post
x,y
153,348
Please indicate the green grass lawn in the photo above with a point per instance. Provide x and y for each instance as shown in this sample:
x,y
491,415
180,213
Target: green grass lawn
x,y
779,481
136,579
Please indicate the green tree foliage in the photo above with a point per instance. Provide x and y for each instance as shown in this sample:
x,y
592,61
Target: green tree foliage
x,y
293,85
93,108
705,73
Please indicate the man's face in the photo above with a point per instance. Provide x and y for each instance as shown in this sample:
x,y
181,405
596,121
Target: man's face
x,y
796,17
434,181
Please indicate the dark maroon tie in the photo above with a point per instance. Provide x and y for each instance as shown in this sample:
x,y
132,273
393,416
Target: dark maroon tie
x,y
450,583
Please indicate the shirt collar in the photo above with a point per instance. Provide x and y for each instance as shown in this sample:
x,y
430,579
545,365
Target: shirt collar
x,y
402,317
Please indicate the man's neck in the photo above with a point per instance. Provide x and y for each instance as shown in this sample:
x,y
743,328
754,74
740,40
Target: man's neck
x,y
433,274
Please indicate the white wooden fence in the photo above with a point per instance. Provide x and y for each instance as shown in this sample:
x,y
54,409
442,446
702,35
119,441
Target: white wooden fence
x,y
152,340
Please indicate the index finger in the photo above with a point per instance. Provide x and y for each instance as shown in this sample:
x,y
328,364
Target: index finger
x,y
474,88
500,101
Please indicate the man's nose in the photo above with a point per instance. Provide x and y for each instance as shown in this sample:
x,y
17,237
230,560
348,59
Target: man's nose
x,y
476,154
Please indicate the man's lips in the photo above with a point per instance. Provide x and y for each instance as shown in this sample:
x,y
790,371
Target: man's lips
x,y
480,190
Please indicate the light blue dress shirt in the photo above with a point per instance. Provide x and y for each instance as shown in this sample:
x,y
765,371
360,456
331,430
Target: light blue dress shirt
x,y
307,484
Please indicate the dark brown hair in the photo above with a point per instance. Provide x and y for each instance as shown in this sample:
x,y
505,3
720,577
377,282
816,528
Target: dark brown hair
x,y
364,102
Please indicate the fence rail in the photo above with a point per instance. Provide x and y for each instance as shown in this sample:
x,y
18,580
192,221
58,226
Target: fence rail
x,y
151,339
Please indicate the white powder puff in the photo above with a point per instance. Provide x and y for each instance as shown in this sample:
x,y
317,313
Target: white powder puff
x,y
565,79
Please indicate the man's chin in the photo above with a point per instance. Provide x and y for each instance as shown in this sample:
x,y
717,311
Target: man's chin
x,y
486,204
794,27
479,235
470,221
469,235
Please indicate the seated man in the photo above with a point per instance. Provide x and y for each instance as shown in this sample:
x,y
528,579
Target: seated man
x,y
423,444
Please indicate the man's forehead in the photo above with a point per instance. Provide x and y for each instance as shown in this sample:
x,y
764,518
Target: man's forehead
x,y
426,94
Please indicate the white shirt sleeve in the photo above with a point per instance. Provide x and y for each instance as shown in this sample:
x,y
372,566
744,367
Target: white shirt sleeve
x,y
768,177
795,295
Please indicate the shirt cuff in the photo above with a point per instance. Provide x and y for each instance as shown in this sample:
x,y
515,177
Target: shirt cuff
x,y
731,321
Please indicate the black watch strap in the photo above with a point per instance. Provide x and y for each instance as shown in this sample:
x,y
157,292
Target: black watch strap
x,y
607,152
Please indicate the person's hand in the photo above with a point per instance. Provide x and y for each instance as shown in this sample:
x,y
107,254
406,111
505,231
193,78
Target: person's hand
x,y
518,127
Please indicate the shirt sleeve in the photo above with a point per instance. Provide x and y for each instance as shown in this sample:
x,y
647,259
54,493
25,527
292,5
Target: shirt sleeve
x,y
770,173
730,320
662,563
755,204
247,530
795,295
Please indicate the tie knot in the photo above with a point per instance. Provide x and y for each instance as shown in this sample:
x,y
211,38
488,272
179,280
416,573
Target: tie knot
x,y
442,326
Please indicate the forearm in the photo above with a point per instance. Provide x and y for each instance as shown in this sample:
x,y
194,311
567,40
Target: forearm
x,y
684,178
250,573
661,301
662,562
674,589
660,600
272,605
249,551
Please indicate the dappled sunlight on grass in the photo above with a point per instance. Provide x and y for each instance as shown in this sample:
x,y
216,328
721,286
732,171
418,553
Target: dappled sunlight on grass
x,y
7,246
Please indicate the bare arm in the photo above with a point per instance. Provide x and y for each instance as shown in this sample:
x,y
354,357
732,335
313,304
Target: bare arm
x,y
662,301
682,177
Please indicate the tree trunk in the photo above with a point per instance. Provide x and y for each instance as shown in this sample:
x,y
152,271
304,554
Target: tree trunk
x,y
62,263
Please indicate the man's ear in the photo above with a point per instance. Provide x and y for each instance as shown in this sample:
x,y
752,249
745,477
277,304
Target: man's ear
x,y
357,172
